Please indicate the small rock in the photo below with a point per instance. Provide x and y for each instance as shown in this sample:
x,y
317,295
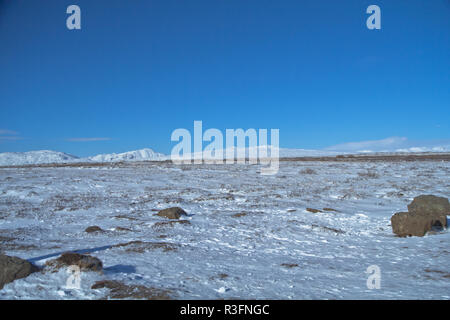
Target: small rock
x,y
92,229
13,268
83,261
172,213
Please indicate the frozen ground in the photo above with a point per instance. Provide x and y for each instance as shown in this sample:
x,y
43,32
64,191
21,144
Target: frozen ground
x,y
250,236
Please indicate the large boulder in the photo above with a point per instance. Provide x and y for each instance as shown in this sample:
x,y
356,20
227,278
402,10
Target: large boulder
x,y
172,213
12,268
429,204
425,213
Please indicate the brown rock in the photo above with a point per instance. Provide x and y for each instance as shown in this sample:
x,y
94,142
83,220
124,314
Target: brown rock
x,y
83,261
429,204
425,213
406,224
13,268
172,213
92,229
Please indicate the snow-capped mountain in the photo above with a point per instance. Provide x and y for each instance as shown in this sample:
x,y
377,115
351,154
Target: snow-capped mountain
x,y
35,157
46,156
137,155
392,145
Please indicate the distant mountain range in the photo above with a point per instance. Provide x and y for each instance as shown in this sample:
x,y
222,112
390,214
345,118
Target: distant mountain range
x,y
137,155
35,157
47,156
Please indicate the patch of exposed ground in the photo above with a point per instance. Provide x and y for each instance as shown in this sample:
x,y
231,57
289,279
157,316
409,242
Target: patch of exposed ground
x,y
120,290
141,246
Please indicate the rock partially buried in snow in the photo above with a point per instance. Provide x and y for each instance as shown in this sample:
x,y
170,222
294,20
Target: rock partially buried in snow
x,y
83,261
92,229
425,213
172,213
407,224
13,268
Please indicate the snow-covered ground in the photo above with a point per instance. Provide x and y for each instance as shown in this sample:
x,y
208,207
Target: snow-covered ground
x,y
249,236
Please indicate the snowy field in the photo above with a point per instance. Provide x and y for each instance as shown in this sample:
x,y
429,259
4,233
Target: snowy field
x,y
248,236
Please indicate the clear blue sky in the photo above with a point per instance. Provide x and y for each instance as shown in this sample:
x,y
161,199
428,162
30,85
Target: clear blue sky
x,y
137,70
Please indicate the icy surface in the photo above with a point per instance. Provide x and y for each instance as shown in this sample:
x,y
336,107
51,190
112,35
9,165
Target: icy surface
x,y
250,236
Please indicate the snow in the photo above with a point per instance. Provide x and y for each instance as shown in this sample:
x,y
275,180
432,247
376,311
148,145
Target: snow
x,y
294,153
138,155
250,236
48,157
34,157
393,144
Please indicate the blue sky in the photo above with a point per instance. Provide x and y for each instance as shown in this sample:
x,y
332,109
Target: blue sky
x,y
137,70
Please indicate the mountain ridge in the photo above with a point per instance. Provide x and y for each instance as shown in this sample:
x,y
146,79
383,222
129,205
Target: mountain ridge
x,y
147,154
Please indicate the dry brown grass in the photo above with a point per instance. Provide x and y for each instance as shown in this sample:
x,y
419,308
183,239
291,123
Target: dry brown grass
x,y
289,265
308,171
169,224
368,174
120,290
141,246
